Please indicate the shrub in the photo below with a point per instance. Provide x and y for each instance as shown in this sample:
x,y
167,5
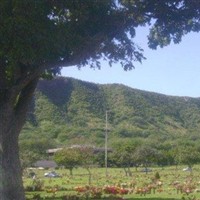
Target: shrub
x,y
157,176
37,185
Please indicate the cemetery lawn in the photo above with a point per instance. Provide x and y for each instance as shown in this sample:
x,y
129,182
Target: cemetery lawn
x,y
168,183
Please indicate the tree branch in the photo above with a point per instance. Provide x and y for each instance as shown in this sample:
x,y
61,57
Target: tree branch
x,y
23,101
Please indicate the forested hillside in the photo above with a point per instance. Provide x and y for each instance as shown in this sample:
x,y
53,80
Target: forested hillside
x,y
66,111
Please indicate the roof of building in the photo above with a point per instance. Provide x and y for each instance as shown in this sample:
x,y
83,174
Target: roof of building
x,y
45,164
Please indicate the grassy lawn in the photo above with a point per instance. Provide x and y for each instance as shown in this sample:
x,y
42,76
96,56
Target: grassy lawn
x,y
173,184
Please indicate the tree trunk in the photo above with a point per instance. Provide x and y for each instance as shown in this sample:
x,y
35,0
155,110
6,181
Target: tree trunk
x,y
11,173
70,171
89,176
13,108
130,172
126,172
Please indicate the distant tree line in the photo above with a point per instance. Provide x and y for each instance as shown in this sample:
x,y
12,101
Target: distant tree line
x,y
125,154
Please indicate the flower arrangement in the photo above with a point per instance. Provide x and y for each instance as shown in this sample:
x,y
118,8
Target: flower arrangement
x,y
94,192
115,190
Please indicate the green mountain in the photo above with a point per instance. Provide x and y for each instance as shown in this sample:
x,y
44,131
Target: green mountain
x,y
69,111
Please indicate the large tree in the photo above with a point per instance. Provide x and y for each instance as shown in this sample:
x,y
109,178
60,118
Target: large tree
x,y
37,37
187,155
123,155
69,158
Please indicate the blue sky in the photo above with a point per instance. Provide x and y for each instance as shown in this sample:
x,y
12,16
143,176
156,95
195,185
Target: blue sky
x,y
173,70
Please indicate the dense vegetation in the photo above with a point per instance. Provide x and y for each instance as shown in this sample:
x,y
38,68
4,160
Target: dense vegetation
x,y
66,111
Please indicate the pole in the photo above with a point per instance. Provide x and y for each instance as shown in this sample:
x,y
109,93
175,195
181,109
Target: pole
x,y
106,145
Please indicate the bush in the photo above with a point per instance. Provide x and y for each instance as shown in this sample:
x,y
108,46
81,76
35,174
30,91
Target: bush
x,y
157,176
37,185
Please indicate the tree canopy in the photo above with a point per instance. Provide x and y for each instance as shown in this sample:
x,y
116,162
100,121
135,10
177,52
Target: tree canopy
x,y
69,158
41,35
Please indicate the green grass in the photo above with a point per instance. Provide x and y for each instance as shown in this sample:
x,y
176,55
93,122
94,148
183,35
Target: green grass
x,y
117,177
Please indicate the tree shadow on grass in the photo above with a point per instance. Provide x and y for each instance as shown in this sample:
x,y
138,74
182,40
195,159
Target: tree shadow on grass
x,y
152,198
38,196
